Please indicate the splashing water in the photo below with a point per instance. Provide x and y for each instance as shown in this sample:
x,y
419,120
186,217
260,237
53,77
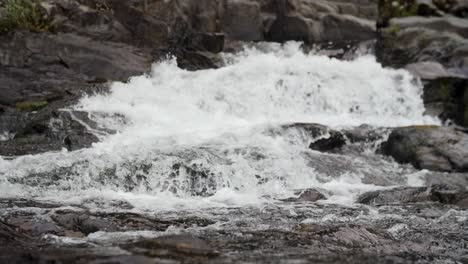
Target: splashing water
x,y
207,138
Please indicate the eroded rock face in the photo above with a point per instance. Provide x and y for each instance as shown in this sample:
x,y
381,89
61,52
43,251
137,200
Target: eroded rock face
x,y
429,147
317,22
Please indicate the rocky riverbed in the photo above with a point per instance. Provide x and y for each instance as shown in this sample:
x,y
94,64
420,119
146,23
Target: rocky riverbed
x,y
233,131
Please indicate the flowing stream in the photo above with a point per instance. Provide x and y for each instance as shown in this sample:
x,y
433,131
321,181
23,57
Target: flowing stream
x,y
231,144
214,137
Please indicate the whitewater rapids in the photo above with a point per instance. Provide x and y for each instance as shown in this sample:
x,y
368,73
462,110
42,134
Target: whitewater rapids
x,y
172,126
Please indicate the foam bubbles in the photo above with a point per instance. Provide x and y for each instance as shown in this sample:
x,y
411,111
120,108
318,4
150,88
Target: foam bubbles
x,y
198,138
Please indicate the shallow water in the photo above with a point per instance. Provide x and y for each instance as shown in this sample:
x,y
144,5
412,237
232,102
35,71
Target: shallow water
x,y
219,145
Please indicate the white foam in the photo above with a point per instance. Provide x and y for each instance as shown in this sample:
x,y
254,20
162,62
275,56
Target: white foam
x,y
215,120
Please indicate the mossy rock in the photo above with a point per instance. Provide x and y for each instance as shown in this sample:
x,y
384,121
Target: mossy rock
x,y
452,93
29,106
389,9
23,14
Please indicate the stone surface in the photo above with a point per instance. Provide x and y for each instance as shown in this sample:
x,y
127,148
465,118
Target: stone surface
x,y
403,195
335,141
429,147
447,98
433,45
307,195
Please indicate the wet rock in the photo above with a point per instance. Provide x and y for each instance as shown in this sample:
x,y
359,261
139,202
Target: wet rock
x,y
447,98
348,236
429,147
131,259
77,223
307,195
242,20
23,203
433,45
51,131
307,129
70,53
9,235
398,46
330,28
404,195
34,227
335,141
456,7
84,223
363,133
177,244
211,42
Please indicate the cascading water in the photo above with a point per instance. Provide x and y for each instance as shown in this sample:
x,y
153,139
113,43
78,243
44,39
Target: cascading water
x,y
216,137
226,155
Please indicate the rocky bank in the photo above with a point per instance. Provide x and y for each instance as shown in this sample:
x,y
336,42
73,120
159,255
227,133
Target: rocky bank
x,y
80,46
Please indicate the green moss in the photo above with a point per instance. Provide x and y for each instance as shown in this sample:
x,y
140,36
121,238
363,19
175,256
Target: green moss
x,y
28,106
406,10
389,9
394,29
446,87
23,14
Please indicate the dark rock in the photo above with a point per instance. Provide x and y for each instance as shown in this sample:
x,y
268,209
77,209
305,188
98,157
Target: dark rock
x,y
432,48
9,235
307,195
211,42
398,46
34,227
178,244
349,236
127,260
310,130
363,133
84,223
51,131
429,147
447,98
242,20
335,141
403,195
316,22
456,7
344,29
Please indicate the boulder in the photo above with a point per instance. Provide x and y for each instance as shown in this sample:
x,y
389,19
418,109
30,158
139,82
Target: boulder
x,y
398,46
455,7
318,22
179,244
402,195
307,195
429,147
50,131
242,20
335,141
447,98
434,47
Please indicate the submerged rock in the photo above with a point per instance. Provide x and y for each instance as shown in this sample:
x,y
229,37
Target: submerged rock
x,y
429,147
335,141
